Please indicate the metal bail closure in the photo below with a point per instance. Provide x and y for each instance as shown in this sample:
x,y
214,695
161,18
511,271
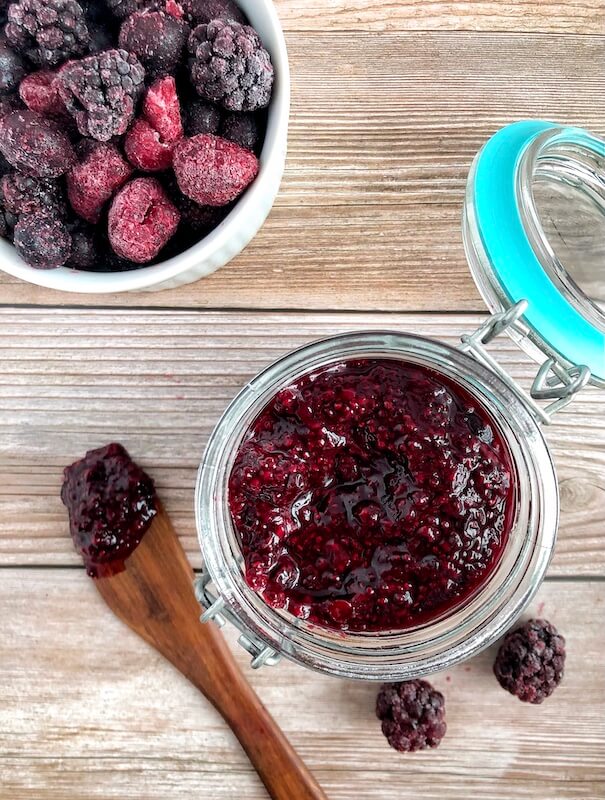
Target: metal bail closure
x,y
534,235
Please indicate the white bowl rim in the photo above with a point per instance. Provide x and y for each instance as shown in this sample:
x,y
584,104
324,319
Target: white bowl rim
x,y
274,149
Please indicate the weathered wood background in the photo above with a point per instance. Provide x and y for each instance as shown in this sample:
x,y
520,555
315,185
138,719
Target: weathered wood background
x,y
390,102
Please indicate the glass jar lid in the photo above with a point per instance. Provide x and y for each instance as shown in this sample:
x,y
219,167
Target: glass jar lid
x,y
534,231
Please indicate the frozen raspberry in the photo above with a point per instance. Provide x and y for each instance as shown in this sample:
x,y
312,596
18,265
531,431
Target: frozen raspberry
x,y
35,145
202,117
91,183
213,171
412,715
47,31
24,194
241,129
530,661
101,92
175,9
230,66
157,39
12,68
39,92
204,11
123,8
142,219
42,240
84,252
150,142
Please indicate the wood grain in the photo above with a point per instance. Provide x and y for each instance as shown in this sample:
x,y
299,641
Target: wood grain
x,y
586,16
71,380
90,712
383,130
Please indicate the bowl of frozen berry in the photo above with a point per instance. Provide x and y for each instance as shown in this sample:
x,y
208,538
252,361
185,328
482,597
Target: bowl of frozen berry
x,y
142,142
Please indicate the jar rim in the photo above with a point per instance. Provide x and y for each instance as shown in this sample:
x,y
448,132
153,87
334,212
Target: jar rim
x,y
434,645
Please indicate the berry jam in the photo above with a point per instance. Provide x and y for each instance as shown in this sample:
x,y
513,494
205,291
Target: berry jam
x,y
111,504
371,495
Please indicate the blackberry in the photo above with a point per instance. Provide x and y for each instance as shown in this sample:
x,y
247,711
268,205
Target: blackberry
x,y
124,8
48,32
12,68
101,92
201,117
42,240
25,194
412,715
241,129
157,39
230,66
84,250
531,660
204,11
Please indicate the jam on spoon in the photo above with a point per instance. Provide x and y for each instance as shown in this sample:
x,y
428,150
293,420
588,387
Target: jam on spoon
x,y
111,504
371,495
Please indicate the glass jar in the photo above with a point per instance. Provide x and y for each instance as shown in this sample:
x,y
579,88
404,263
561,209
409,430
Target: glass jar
x,y
503,227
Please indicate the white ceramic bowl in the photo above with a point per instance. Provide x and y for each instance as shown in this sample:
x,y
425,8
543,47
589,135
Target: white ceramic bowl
x,y
237,229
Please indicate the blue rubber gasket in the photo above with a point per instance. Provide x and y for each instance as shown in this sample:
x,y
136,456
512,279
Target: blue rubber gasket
x,y
551,316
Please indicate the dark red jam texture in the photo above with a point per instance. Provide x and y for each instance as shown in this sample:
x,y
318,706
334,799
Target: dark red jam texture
x,y
371,495
111,504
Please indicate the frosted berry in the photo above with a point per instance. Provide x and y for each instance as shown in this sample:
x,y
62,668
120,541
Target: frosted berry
x,y
241,129
412,714
35,145
230,66
150,142
42,240
25,194
213,171
123,8
98,175
204,11
142,220
12,68
47,32
101,92
157,39
84,251
201,117
39,91
531,661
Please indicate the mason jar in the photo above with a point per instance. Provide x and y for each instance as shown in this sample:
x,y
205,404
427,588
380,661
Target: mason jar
x,y
534,234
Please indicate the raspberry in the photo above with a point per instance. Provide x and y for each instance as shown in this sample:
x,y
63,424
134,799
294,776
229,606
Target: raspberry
x,y
84,252
150,142
35,145
47,31
42,240
213,171
91,183
141,220
12,68
530,661
101,92
230,66
204,11
412,715
24,194
202,117
123,8
39,92
241,129
157,39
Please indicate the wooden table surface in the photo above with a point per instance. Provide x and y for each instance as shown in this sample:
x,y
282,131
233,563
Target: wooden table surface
x,y
390,102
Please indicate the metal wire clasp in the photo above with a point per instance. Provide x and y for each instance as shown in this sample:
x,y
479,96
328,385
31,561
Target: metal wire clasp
x,y
217,612
553,381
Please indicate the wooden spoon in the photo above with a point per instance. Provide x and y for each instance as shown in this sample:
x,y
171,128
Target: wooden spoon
x,y
154,596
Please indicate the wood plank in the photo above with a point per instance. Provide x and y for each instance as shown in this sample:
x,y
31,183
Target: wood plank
x,y
383,130
573,16
71,380
89,711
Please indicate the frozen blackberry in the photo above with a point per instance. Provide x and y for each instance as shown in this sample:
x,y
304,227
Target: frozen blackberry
x,y
531,660
157,39
84,251
230,66
241,129
101,92
204,11
42,240
35,145
12,68
25,194
124,8
412,715
48,32
201,117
